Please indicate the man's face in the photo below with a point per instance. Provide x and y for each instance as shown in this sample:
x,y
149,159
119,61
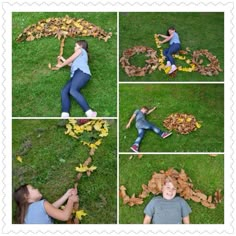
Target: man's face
x,y
168,191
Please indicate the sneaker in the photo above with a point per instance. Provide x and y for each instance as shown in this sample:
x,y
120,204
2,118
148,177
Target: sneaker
x,y
91,113
173,69
134,148
65,115
166,134
168,64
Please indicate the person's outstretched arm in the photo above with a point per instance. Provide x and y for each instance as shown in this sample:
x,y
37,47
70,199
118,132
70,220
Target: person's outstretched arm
x,y
147,219
163,36
69,60
151,110
168,38
130,121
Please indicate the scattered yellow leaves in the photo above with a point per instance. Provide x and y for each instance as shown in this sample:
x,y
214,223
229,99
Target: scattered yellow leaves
x,y
19,158
79,214
76,130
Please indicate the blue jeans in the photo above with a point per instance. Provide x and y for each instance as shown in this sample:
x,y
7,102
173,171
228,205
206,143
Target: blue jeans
x,y
174,47
73,87
141,132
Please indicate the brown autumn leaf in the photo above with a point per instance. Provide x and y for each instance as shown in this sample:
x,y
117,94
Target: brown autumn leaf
x,y
195,198
218,197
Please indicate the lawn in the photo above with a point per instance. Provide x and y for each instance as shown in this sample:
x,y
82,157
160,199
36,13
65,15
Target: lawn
x,y
50,163
36,89
204,101
196,30
135,172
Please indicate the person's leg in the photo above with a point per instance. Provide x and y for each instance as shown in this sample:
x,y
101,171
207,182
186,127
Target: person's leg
x,y
155,129
79,81
65,97
158,131
172,50
138,140
165,53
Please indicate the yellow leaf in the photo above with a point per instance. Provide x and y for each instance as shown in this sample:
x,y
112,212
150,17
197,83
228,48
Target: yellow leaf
x,y
69,129
188,119
98,142
92,168
19,158
81,168
92,145
97,126
79,214
180,120
198,125
88,128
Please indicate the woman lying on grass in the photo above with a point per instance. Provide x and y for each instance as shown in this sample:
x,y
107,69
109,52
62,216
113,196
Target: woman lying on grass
x,y
33,209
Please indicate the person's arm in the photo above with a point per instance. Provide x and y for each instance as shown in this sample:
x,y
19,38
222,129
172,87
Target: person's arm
x,y
168,38
130,121
58,214
69,60
163,36
147,219
63,198
186,220
151,110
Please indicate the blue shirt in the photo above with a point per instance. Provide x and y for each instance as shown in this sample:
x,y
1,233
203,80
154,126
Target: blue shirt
x,y
80,62
141,121
36,214
163,211
175,39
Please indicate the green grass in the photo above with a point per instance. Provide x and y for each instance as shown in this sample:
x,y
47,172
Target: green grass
x,y
196,31
36,89
204,101
50,166
135,172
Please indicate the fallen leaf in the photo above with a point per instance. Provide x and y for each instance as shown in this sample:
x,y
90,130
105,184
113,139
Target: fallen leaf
x,y
79,214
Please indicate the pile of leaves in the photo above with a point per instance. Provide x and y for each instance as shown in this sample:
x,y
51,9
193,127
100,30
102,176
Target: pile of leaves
x,y
89,133
180,180
213,68
131,70
62,27
181,123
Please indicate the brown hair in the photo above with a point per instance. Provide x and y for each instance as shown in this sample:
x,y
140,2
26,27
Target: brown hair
x,y
170,28
144,107
84,45
20,195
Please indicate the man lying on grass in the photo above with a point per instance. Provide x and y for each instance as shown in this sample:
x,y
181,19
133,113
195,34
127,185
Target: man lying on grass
x,y
167,209
142,125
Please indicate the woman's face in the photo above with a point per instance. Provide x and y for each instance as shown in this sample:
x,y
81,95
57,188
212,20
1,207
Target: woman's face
x,y
77,46
34,194
171,31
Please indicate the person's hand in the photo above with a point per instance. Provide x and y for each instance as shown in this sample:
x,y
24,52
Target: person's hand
x,y
128,126
70,192
59,65
61,58
154,108
74,198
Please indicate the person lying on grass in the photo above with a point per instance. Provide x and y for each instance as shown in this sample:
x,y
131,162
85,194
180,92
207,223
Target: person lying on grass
x,y
33,209
142,125
168,209
173,38
79,77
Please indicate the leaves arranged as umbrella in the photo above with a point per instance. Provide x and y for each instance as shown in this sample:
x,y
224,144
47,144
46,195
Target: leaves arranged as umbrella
x,y
61,28
180,180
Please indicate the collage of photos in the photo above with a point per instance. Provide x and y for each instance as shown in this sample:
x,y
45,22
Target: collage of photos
x,y
108,134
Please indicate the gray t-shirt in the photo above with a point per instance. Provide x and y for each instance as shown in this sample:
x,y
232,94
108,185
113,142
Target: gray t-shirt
x,y
164,211
36,214
141,122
